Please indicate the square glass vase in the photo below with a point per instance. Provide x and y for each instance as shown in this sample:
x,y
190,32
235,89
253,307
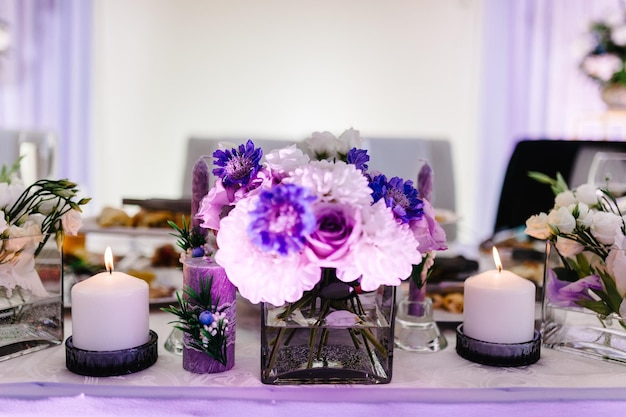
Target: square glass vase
x,y
31,300
329,340
572,328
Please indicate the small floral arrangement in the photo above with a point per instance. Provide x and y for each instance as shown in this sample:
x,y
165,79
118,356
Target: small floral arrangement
x,y
285,217
28,216
587,228
605,51
200,317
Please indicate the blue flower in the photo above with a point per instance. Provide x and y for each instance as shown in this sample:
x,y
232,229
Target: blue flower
x,y
237,166
401,196
282,219
359,158
205,318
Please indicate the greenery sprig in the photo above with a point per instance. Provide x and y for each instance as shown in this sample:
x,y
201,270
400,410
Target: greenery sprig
x,y
200,317
189,240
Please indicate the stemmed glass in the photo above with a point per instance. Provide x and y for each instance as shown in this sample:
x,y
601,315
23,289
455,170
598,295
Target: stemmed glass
x,y
608,170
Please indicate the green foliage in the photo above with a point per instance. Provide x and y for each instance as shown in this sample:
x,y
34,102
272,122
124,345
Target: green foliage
x,y
191,306
187,238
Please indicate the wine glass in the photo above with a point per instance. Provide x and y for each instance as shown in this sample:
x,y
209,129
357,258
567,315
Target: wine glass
x,y
608,171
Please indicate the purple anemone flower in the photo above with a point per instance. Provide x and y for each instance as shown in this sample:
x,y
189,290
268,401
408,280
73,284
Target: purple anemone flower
x,y
359,158
237,166
282,219
565,293
401,196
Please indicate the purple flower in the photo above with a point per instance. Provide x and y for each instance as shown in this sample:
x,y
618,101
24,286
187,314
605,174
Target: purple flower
x,y
565,294
282,219
237,166
359,158
428,231
400,196
338,226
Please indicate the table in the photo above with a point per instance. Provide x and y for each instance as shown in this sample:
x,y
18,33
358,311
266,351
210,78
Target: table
x,y
434,384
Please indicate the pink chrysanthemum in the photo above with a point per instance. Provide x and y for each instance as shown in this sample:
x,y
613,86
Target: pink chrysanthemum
x,y
259,276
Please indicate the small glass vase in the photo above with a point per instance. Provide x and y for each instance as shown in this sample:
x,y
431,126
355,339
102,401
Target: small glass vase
x,y
332,335
416,328
223,292
31,301
572,328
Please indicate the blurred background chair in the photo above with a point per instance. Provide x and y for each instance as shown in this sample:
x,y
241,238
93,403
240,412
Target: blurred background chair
x,y
199,147
399,157
392,156
521,196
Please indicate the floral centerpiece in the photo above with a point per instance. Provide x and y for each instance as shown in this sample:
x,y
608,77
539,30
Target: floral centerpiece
x,y
585,269
29,217
311,233
605,56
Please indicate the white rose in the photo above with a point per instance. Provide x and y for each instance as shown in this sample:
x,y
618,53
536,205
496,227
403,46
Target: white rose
x,y
618,35
588,194
568,247
23,237
537,226
602,66
322,143
562,219
3,223
565,198
286,159
9,193
604,226
349,139
585,216
71,222
616,266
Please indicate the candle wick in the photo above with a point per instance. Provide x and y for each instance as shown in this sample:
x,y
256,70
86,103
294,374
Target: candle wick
x,y
499,268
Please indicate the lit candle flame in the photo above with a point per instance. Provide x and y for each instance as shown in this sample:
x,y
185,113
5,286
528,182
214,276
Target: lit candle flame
x,y
108,259
496,259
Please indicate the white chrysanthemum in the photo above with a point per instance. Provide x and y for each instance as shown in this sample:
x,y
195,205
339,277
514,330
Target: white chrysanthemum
x,y
286,159
385,253
259,276
336,182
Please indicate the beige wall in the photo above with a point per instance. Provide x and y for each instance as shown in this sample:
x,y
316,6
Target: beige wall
x,y
165,70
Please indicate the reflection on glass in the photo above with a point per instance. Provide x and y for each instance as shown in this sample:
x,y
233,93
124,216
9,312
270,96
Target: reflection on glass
x,y
608,170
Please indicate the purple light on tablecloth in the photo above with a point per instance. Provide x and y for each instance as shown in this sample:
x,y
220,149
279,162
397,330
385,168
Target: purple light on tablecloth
x,y
199,189
195,270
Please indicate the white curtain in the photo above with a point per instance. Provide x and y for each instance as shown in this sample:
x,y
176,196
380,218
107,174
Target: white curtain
x,y
531,85
44,77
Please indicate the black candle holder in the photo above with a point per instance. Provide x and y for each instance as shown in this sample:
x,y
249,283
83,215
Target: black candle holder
x,y
111,363
498,354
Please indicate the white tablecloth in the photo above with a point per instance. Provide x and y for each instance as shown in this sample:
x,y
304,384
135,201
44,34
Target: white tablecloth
x,y
435,383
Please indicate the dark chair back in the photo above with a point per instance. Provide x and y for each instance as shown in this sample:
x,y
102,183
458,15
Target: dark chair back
x,y
521,196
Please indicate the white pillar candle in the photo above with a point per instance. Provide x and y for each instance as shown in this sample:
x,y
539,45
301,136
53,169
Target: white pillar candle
x,y
110,311
499,306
